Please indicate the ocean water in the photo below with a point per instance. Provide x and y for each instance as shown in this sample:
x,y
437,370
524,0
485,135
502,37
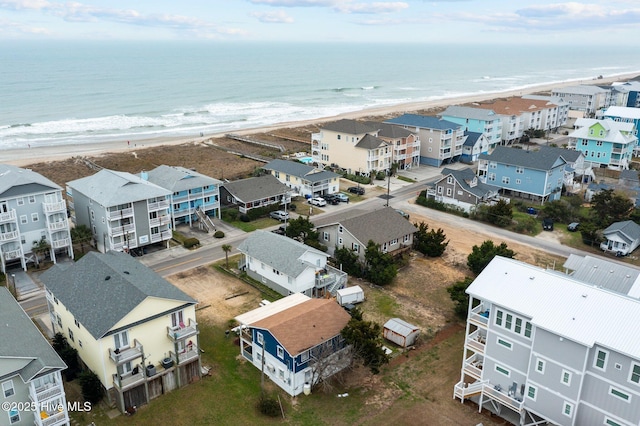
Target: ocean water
x,y
83,92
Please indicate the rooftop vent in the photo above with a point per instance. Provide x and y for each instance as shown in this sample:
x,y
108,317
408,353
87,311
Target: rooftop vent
x,y
107,278
126,272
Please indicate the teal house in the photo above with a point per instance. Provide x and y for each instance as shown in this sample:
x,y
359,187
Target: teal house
x,y
604,143
479,120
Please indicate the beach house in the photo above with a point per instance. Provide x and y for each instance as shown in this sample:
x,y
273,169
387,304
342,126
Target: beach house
x,y
194,196
485,121
441,141
624,115
33,218
256,192
289,266
135,330
463,189
531,175
295,341
30,371
588,99
474,145
405,143
351,145
542,347
604,143
302,179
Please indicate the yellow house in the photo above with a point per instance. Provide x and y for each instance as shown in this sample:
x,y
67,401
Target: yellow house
x,y
130,326
304,180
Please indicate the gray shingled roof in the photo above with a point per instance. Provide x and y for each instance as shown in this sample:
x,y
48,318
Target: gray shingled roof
x,y
111,188
256,188
466,175
261,245
16,182
102,288
424,122
570,155
176,178
470,112
22,347
388,130
381,226
351,127
539,160
602,273
371,142
472,138
295,168
627,230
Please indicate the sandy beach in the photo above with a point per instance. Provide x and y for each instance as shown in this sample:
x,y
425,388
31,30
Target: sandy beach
x,y
30,155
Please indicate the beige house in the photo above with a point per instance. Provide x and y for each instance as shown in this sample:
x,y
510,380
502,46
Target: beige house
x,y
131,327
302,179
351,145
385,227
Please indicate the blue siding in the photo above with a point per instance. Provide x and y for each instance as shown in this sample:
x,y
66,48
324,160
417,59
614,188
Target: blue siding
x,y
271,346
430,161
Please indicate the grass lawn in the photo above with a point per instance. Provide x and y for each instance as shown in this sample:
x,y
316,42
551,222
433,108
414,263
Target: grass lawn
x,y
264,222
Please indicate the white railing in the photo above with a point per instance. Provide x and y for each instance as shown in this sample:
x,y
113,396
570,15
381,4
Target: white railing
x,y
178,333
45,392
62,242
13,254
479,316
316,137
128,381
119,214
463,390
54,207
9,216
54,226
122,355
476,341
473,366
11,235
55,419
185,356
157,221
158,205
116,230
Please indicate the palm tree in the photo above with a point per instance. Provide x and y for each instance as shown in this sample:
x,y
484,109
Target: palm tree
x,y
226,248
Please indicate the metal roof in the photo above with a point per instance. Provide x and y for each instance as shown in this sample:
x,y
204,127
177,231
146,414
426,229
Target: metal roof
x,y
23,349
100,289
583,89
16,182
624,112
601,272
110,188
400,327
616,131
177,179
470,112
627,230
424,122
561,305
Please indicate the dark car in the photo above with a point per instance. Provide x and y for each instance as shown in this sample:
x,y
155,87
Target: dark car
x,y
547,224
573,226
356,190
331,199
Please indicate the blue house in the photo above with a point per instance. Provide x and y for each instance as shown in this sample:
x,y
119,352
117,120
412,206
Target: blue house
x,y
480,120
296,340
532,175
441,141
192,193
624,115
475,144
604,143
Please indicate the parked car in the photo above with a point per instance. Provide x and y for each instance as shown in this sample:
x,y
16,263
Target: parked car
x,y
331,199
547,224
356,190
573,226
282,230
279,215
342,197
317,201
403,213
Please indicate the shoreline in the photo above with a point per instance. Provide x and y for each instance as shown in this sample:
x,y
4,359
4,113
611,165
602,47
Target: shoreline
x,y
31,155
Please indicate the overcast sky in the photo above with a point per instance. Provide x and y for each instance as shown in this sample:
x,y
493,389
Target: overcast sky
x,y
423,21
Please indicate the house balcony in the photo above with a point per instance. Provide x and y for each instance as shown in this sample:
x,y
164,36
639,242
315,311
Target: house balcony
x,y
161,236
46,392
129,381
476,341
116,231
179,333
58,206
479,316
158,205
56,226
60,243
9,216
10,235
316,138
473,366
160,220
466,390
401,157
126,354
12,254
186,356
52,418
119,214
121,245
331,279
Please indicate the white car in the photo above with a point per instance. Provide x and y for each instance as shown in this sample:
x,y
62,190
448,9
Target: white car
x,y
320,202
279,215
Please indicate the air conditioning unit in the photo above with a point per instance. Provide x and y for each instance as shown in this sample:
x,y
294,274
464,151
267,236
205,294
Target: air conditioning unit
x,y
271,368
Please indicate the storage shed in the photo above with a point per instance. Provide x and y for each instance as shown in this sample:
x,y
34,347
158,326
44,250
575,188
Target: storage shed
x,y
400,332
351,295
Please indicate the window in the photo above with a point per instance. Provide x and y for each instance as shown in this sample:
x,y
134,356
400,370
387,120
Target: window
x,y
23,219
448,192
260,338
325,236
76,322
503,370
340,240
449,179
177,319
304,356
609,422
80,342
32,199
356,247
540,366
531,392
59,320
499,318
635,373
508,321
619,394
601,360
493,165
340,229
339,137
567,409
121,340
527,329
280,352
34,217
566,377
14,416
71,335
281,373
518,327
518,181
21,201
505,343
440,190
7,389
492,177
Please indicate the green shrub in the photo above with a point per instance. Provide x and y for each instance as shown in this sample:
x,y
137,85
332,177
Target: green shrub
x,y
292,207
245,218
91,386
219,234
269,407
381,175
190,242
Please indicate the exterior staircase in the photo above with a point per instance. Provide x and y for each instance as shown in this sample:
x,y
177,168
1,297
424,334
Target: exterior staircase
x,y
204,222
